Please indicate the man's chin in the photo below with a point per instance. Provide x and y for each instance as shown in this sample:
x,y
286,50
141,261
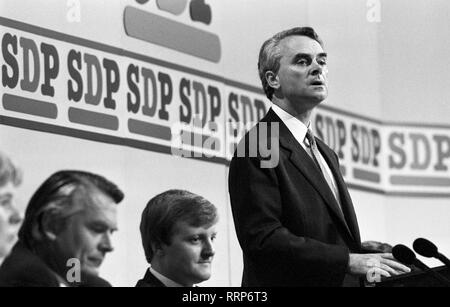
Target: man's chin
x,y
89,270
312,99
319,93
317,99
203,276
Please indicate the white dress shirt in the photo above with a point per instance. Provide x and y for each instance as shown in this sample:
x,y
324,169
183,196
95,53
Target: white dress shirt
x,y
298,130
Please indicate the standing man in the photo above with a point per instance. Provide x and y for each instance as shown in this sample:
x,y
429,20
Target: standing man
x,y
10,218
295,221
66,232
178,229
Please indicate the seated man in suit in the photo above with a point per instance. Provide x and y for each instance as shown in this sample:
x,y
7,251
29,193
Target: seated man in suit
x,y
10,218
178,232
66,232
295,219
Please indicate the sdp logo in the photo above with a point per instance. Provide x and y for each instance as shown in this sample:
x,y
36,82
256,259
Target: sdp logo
x,y
169,33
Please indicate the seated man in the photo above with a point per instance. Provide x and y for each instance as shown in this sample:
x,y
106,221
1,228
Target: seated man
x,y
9,216
178,232
66,232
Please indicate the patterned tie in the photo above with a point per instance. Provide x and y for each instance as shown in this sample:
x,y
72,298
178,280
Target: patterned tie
x,y
314,153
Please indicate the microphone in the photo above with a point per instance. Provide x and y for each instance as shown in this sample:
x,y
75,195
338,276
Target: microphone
x,y
405,255
426,248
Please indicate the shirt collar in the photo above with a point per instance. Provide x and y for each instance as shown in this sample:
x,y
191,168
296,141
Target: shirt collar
x,y
295,126
166,281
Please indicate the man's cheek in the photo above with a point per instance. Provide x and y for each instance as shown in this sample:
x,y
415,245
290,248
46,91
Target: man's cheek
x,y
93,242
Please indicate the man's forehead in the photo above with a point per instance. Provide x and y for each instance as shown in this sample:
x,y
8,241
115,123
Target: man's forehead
x,y
184,227
296,44
106,215
101,203
94,203
92,197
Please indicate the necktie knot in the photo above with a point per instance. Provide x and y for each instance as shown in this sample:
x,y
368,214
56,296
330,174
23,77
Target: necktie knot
x,y
310,141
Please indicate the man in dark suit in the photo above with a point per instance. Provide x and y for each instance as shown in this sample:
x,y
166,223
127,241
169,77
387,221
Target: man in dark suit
x,y
66,233
178,229
294,218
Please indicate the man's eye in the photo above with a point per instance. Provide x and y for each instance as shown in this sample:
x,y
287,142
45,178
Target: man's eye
x,y
98,229
5,203
322,62
195,240
302,62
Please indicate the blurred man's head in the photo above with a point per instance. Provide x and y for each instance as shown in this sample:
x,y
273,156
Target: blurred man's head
x,y
178,232
10,218
72,215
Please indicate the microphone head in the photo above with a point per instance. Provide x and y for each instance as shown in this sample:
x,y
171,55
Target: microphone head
x,y
404,254
425,248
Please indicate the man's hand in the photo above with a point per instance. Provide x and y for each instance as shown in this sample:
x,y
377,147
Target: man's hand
x,y
383,264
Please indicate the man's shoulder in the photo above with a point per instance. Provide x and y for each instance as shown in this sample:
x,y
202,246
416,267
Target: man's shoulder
x,y
23,268
149,280
259,134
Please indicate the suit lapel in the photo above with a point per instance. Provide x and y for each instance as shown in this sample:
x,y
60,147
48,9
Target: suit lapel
x,y
302,161
346,201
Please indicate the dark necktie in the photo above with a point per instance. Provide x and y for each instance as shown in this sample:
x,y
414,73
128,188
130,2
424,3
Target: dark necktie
x,y
314,153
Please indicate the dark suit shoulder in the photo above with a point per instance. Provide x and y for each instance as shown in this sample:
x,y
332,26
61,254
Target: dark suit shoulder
x,y
24,269
149,280
258,140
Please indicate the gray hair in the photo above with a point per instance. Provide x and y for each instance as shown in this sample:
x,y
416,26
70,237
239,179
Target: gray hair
x,y
55,198
269,54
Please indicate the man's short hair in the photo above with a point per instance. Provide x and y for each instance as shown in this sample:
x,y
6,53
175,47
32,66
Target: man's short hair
x,y
269,54
166,209
8,172
54,197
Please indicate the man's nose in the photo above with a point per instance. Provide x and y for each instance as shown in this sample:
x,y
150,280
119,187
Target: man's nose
x,y
106,244
316,69
16,217
208,249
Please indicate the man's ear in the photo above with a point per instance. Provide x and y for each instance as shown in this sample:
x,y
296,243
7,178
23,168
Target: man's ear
x,y
272,79
157,249
51,226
